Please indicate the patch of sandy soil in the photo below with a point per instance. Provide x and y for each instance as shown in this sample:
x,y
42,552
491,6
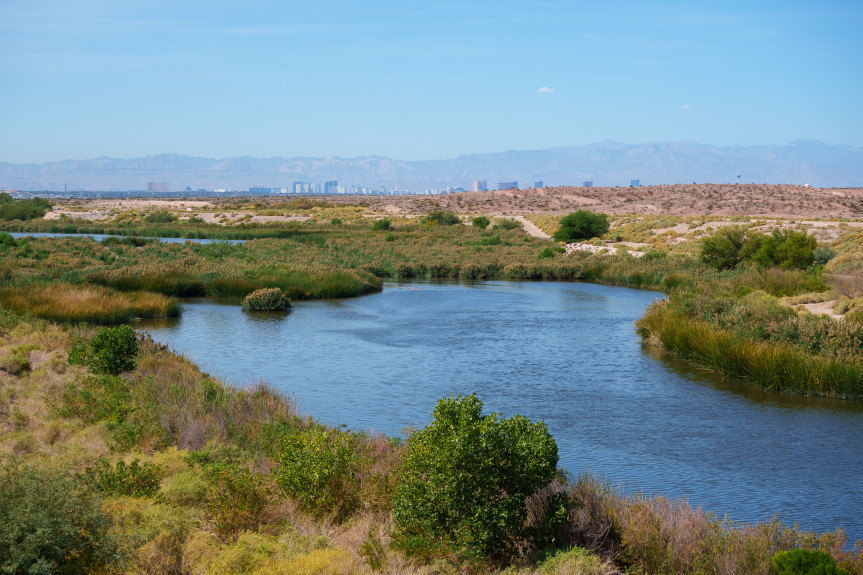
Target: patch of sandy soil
x,y
690,199
824,307
609,248
755,200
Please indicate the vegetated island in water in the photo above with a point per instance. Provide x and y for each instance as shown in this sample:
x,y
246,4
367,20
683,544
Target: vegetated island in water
x,y
133,460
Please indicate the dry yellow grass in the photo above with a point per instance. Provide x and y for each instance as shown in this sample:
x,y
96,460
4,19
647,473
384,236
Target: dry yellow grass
x,y
74,303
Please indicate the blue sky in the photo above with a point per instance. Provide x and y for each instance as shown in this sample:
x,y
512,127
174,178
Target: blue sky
x,y
420,80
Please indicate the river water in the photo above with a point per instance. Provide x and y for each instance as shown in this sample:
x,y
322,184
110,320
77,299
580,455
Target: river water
x,y
566,353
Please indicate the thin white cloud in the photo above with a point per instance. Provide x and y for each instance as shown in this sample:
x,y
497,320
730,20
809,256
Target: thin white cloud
x,y
686,107
545,90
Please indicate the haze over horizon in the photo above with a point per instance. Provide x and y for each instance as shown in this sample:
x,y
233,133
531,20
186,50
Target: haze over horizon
x,y
420,81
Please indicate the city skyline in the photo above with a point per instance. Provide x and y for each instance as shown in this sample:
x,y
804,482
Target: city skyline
x,y
420,81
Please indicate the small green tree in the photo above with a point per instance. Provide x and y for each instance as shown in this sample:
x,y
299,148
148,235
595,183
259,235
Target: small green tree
x,y
581,225
465,481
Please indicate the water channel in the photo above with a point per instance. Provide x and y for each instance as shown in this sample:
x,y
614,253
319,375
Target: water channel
x,y
566,353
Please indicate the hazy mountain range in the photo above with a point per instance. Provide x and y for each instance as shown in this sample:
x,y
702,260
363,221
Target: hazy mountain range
x,y
606,163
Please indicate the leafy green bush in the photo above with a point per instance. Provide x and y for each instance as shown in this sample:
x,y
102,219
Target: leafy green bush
x,y
336,221
481,222
466,480
787,249
823,254
507,224
133,480
6,240
722,250
318,467
266,299
389,237
382,224
581,225
805,562
50,524
160,217
22,209
238,501
442,218
111,351
547,252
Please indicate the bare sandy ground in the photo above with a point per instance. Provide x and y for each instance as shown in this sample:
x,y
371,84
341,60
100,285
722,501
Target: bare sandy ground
x,y
695,199
759,200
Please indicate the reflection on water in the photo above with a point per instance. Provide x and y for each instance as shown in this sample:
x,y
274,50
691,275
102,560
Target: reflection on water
x,y
562,352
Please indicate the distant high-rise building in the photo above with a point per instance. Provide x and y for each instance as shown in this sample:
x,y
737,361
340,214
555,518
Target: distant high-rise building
x,y
157,187
634,183
480,186
301,188
331,187
317,189
537,184
507,185
587,184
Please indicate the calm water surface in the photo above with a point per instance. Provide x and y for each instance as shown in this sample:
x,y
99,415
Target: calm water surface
x,y
566,353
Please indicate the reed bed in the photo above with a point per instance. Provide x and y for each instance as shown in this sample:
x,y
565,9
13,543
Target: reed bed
x,y
82,303
769,365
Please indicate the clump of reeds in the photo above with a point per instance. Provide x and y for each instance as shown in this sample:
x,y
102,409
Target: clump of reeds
x,y
266,299
87,303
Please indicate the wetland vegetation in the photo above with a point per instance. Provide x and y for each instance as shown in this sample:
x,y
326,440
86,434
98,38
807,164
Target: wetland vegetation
x,y
162,468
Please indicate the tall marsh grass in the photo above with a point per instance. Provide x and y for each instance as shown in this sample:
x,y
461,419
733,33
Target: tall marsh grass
x,y
770,365
92,304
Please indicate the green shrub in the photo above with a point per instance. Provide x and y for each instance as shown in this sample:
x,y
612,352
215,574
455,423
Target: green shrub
x,y
238,501
547,252
31,209
805,562
50,524
382,224
160,217
336,222
389,237
489,241
442,218
581,225
266,299
481,222
823,254
133,480
466,479
111,351
6,240
507,224
722,250
318,467
787,249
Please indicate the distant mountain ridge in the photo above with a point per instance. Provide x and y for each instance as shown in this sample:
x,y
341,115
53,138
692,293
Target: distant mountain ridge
x,y
605,163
